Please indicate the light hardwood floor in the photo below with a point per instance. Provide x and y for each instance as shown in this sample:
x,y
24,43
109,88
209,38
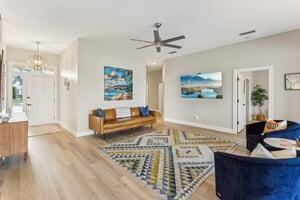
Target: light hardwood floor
x,y
60,166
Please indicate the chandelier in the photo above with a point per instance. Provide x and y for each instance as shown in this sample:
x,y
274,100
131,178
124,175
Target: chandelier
x,y
38,61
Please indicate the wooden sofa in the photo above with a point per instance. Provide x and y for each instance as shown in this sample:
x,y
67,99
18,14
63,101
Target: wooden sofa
x,y
112,124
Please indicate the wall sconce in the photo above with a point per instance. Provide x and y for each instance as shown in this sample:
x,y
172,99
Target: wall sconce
x,y
67,83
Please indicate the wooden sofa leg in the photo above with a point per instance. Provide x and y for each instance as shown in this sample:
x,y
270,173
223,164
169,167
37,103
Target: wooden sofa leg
x,y
151,126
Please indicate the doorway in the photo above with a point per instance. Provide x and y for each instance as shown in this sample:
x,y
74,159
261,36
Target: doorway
x,y
244,82
154,88
33,92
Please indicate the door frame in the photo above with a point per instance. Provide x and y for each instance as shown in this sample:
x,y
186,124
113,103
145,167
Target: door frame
x,y
248,101
11,64
270,70
162,69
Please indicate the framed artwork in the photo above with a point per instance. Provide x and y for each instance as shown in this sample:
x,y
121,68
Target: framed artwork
x,y
292,81
202,86
118,84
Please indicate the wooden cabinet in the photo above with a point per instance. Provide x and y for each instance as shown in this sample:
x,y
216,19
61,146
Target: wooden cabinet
x,y
14,136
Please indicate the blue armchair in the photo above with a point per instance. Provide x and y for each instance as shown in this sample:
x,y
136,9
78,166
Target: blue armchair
x,y
254,133
249,178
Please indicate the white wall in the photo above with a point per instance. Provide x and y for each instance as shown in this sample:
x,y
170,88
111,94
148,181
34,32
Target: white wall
x,y
281,51
23,55
68,101
87,90
153,80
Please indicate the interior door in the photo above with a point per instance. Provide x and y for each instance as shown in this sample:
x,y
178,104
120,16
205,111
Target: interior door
x,y
241,94
40,99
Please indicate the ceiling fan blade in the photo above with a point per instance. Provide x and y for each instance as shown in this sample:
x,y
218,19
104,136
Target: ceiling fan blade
x,y
158,49
156,36
171,46
173,39
136,40
149,45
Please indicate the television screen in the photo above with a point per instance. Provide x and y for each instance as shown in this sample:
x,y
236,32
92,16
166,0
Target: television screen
x,y
202,86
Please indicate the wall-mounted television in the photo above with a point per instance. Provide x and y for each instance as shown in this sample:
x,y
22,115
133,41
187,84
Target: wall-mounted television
x,y
202,86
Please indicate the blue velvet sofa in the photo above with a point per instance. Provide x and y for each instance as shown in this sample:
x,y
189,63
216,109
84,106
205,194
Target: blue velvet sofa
x,y
254,133
249,178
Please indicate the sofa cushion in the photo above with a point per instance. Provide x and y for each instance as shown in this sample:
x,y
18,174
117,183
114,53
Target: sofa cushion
x,y
292,132
145,111
135,112
110,114
117,123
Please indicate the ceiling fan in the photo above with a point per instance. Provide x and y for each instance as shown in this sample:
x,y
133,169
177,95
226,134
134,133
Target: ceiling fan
x,y
158,42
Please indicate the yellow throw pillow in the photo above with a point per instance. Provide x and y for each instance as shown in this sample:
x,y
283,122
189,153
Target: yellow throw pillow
x,y
271,125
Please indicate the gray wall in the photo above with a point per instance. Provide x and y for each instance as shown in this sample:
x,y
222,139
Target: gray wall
x,y
281,51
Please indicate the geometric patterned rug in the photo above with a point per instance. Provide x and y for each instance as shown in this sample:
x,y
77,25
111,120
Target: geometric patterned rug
x,y
171,162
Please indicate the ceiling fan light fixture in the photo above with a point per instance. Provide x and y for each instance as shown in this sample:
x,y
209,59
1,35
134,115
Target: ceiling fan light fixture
x,y
158,42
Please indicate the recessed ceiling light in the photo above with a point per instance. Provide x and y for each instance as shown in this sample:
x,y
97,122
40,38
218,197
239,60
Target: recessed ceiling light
x,y
154,63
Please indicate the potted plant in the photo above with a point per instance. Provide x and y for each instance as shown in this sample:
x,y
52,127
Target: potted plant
x,y
258,98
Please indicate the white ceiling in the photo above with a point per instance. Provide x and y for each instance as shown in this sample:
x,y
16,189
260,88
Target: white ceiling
x,y
205,23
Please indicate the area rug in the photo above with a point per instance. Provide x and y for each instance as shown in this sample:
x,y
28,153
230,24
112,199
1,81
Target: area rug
x,y
43,130
171,162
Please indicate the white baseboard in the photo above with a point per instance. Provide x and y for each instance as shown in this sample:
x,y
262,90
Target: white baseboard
x,y
68,128
200,125
84,133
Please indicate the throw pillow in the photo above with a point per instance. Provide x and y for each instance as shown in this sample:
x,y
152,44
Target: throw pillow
x,y
145,111
281,125
271,125
286,153
100,113
123,112
261,152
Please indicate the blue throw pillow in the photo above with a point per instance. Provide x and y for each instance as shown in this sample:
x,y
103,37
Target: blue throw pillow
x,y
145,111
100,113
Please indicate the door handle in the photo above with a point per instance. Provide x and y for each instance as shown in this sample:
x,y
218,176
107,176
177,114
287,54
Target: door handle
x,y
29,104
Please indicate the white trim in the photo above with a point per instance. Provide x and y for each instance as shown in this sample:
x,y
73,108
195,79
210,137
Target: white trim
x,y
199,125
68,128
73,132
10,66
84,133
234,89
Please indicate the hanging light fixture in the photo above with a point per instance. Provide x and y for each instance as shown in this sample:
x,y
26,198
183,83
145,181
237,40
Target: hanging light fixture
x,y
38,61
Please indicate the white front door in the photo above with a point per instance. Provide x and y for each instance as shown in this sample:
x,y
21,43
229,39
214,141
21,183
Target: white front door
x,y
241,104
40,99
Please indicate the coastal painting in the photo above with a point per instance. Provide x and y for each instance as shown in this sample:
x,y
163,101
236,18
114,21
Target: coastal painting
x,y
118,84
292,81
202,86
